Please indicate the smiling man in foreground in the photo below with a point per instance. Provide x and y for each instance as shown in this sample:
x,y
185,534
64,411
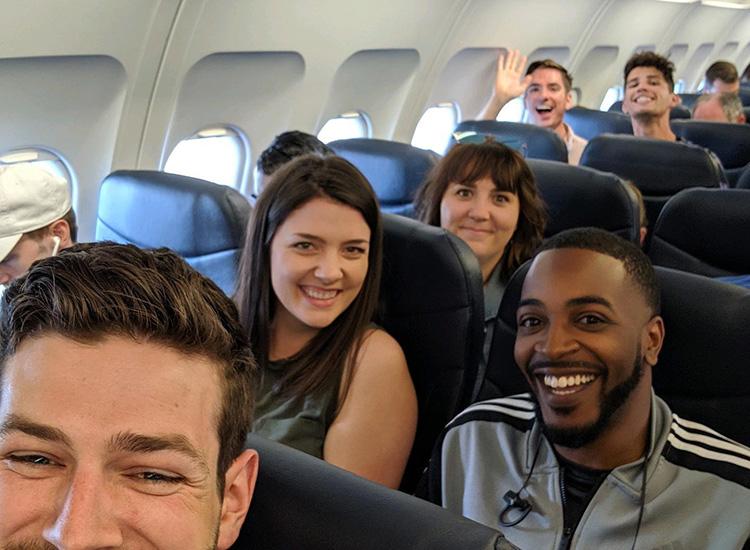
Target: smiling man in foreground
x,y
125,397
592,459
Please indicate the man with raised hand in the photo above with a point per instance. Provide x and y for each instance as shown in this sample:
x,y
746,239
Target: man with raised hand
x,y
592,458
546,88
126,392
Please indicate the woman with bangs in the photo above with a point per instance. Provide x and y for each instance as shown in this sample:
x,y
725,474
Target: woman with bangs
x,y
486,194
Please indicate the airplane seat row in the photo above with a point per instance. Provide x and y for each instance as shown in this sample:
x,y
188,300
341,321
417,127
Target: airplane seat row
x,y
701,231
677,112
729,142
700,372
531,141
303,503
590,123
644,162
395,170
205,223
688,100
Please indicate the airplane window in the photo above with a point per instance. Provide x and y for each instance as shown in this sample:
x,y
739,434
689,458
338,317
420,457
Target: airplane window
x,y
679,86
435,127
612,95
42,158
514,111
216,154
354,124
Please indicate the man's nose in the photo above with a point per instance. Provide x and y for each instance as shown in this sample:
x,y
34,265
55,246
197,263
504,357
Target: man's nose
x,y
85,519
556,342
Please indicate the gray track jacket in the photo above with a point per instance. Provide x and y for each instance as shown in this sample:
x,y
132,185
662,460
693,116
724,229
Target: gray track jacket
x,y
697,485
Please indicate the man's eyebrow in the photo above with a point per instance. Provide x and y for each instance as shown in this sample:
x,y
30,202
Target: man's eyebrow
x,y
587,300
129,442
530,302
19,423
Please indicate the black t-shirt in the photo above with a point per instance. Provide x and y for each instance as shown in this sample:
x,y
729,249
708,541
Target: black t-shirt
x,y
577,486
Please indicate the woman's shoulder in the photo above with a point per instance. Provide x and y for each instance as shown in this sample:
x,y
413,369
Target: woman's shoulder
x,y
380,347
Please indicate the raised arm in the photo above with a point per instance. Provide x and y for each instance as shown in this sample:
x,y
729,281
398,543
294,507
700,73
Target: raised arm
x,y
373,433
509,84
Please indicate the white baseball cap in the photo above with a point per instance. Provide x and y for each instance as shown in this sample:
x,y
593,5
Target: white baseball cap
x,y
30,198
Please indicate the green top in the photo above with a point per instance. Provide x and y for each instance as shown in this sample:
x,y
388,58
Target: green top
x,y
299,422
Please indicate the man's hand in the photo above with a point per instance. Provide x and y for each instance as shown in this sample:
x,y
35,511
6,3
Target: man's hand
x,y
509,83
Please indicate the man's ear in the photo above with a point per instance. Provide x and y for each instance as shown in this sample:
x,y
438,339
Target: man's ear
x,y
61,229
238,492
674,100
652,341
569,100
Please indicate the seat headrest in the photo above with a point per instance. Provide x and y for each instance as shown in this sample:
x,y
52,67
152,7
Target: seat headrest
x,y
730,142
589,123
714,245
201,221
395,170
303,503
657,167
745,95
532,141
577,196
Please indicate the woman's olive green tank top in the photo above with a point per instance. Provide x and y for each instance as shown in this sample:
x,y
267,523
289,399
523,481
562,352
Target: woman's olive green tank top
x,y
300,422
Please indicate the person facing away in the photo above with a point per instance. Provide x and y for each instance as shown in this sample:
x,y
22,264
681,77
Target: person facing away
x,y
592,458
334,385
719,107
546,88
721,76
126,393
285,147
486,195
36,218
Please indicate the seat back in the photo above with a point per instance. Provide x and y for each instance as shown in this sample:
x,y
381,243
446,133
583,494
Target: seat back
x,y
678,111
577,196
589,123
431,302
532,141
395,170
688,100
658,168
201,221
730,142
303,503
745,95
704,231
701,372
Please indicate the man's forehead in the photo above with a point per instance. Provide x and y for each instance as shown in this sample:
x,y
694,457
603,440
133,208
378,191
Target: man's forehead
x,y
564,273
546,74
645,71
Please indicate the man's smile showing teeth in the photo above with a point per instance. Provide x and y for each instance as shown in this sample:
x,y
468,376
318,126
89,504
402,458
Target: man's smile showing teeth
x,y
563,385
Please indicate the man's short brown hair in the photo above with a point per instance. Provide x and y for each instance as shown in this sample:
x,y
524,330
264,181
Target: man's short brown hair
x,y
651,59
722,70
69,218
552,64
95,290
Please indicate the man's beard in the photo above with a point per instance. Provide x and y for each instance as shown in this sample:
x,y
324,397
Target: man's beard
x,y
609,403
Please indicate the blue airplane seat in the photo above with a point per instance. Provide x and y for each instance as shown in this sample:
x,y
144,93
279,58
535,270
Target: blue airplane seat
x,y
688,100
729,142
576,196
701,231
743,181
658,168
701,370
678,111
745,95
531,141
589,123
395,170
431,302
746,110
201,221
303,503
